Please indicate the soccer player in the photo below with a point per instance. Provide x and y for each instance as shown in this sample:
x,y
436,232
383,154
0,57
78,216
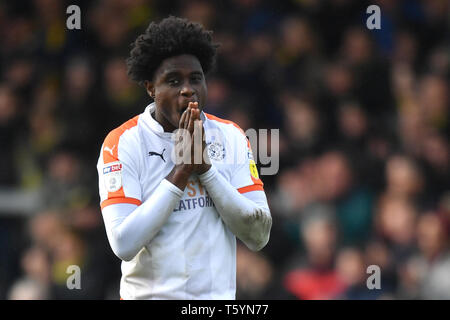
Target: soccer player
x,y
174,221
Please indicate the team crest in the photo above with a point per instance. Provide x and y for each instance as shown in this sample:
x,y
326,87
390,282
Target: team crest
x,y
216,151
112,176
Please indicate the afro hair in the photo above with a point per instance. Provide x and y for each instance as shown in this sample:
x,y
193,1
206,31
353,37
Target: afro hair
x,y
171,37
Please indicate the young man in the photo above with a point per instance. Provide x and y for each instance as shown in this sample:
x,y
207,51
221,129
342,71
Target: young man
x,y
172,220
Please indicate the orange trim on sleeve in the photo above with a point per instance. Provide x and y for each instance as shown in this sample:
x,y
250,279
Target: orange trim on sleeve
x,y
110,150
111,144
108,202
257,181
253,187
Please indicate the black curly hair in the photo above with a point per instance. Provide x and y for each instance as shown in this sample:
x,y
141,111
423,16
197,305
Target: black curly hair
x,y
171,37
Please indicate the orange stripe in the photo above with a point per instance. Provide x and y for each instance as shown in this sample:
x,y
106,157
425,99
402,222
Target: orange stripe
x,y
257,181
108,202
253,187
111,146
112,140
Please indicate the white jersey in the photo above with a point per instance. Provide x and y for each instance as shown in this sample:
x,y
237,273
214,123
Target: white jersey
x,y
193,256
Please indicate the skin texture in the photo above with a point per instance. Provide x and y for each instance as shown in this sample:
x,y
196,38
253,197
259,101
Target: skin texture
x,y
179,90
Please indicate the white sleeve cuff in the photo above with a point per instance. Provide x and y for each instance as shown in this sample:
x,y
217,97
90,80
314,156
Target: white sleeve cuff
x,y
172,188
246,219
208,175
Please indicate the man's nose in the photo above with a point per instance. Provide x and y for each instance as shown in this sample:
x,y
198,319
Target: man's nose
x,y
187,91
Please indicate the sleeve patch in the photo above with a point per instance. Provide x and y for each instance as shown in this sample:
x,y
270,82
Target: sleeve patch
x,y
112,176
253,169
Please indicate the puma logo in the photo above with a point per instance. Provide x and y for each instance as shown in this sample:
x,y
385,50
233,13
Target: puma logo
x,y
153,153
110,150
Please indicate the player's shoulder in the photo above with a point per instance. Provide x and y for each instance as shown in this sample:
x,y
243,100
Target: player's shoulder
x,y
126,128
227,125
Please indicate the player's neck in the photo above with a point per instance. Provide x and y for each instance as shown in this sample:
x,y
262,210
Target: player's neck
x,y
166,125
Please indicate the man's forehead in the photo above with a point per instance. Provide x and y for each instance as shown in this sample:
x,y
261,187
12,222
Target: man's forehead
x,y
180,63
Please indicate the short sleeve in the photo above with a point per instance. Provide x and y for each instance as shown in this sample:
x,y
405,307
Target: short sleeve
x,y
245,177
118,171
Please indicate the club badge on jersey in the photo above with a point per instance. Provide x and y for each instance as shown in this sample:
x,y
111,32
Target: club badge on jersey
x,y
112,176
216,150
252,163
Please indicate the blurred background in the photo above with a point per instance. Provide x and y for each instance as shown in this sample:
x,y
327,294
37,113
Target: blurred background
x,y
364,150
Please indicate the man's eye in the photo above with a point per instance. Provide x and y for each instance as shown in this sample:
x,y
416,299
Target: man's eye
x,y
173,82
196,78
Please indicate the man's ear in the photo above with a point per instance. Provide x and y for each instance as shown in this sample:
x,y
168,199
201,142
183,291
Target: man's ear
x,y
150,87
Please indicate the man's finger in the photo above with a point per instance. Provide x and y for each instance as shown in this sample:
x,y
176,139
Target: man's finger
x,y
187,119
181,122
193,105
197,111
198,127
190,127
198,145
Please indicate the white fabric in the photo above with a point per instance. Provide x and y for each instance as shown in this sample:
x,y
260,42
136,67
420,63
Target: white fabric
x,y
129,227
174,244
248,221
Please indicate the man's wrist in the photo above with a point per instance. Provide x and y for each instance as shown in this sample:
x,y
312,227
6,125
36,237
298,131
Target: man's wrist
x,y
184,169
204,168
207,175
172,187
180,175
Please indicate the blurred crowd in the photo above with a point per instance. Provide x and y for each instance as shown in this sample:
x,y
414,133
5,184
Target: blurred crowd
x,y
364,151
